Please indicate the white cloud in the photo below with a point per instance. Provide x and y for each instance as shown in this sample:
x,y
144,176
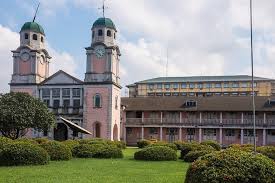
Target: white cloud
x,y
9,40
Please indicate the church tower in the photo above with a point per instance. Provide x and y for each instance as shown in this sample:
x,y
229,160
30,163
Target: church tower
x,y
102,82
30,59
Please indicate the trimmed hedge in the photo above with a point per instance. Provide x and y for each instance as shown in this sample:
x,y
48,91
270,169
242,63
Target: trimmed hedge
x,y
170,145
179,144
194,155
231,166
57,150
4,141
244,147
71,143
83,151
268,151
27,140
156,153
143,143
119,144
212,143
41,140
193,146
22,153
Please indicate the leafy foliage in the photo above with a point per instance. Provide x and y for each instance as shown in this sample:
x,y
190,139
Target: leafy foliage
x,y
179,144
23,153
57,150
212,143
194,155
268,151
143,143
71,143
156,153
232,166
160,143
15,120
193,146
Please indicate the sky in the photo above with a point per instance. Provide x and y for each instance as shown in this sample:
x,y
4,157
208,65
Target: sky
x,y
199,37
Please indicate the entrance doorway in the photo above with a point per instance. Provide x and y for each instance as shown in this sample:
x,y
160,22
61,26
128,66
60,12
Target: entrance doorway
x,y
61,132
97,130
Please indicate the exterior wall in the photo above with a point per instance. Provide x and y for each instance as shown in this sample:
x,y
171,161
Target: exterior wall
x,y
115,112
98,64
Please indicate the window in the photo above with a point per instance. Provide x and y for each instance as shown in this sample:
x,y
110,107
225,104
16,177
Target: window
x,y
183,85
226,85
97,101
191,94
109,34
114,35
175,85
45,133
167,86
56,104
76,92
209,132
34,37
56,92
183,94
190,103
159,86
244,85
243,94
235,94
100,32
200,86
66,103
153,131
190,131
235,85
208,85
76,103
191,85
249,133
45,92
129,131
218,85
209,94
42,39
167,94
151,86
229,132
66,92
226,94
26,36
255,85
175,94
47,102
218,94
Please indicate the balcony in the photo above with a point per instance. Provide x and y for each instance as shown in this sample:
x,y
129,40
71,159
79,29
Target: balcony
x,y
67,110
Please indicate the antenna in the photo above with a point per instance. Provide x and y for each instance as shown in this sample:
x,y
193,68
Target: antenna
x,y
103,8
36,12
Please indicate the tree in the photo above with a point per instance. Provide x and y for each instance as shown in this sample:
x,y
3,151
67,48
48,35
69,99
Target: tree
x,y
19,112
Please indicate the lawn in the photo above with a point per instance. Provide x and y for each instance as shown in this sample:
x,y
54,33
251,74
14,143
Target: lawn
x,y
98,171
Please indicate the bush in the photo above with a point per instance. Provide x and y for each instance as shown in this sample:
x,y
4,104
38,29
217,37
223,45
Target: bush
x,y
71,143
231,166
170,145
156,153
107,151
194,155
143,143
57,150
244,147
179,144
193,146
27,140
4,141
268,151
83,151
41,140
119,144
22,153
212,143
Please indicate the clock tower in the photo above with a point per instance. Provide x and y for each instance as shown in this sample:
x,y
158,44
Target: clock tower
x,y
30,59
102,82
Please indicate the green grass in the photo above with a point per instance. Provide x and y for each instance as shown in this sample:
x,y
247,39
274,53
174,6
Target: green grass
x,y
98,171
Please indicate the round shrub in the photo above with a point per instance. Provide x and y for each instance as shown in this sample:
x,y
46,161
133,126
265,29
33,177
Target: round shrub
x,y
119,144
194,155
57,150
193,146
27,140
231,166
83,151
22,153
268,151
244,147
143,143
107,151
170,145
4,141
212,143
156,153
71,143
179,144
41,140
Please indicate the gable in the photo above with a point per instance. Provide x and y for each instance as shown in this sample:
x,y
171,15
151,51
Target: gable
x,y
60,78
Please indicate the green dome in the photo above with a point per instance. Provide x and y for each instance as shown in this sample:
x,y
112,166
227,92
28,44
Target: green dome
x,y
106,22
33,26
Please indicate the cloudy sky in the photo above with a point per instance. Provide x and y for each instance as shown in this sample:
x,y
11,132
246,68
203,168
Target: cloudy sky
x,y
203,37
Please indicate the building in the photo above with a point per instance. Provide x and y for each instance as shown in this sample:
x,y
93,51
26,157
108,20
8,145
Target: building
x,y
94,103
238,85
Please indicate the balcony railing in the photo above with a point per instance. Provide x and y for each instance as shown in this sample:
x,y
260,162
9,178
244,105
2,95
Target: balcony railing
x,y
67,110
202,122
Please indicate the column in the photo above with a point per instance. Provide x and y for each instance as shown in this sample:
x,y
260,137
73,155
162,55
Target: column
x,y
142,117
221,136
200,117
124,135
220,117
161,117
180,134
180,117
51,97
264,118
241,136
160,133
242,118
142,133
264,137
71,97
200,135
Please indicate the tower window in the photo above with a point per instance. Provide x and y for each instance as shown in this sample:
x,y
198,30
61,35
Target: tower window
x,y
26,36
109,34
100,32
34,37
42,39
97,101
114,35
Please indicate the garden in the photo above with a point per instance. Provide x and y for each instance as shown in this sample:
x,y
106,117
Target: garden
x,y
98,160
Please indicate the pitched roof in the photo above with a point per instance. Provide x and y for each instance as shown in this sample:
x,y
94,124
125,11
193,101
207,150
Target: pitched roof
x,y
215,103
203,79
61,77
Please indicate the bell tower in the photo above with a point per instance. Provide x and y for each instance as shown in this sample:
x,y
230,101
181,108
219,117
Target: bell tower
x,y
30,59
102,81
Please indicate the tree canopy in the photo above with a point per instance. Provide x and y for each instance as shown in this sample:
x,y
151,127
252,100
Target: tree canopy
x,y
19,112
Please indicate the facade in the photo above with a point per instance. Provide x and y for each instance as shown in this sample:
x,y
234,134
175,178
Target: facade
x,y
93,104
238,85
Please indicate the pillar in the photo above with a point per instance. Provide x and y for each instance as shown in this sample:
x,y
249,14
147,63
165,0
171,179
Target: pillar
x,y
241,136
180,134
264,137
220,117
124,135
220,136
142,117
180,117
160,133
142,133
161,117
200,135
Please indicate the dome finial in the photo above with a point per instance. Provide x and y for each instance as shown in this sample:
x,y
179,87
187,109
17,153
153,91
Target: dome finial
x,y
103,8
36,12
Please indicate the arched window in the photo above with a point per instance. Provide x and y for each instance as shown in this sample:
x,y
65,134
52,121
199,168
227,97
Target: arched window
x,y
34,37
97,101
100,32
26,36
42,39
116,102
109,34
114,35
97,130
